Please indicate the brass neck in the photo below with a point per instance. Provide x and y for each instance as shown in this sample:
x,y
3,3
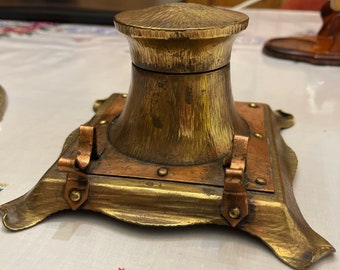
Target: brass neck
x,y
177,119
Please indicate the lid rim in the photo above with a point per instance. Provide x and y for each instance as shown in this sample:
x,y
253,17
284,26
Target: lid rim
x,y
190,21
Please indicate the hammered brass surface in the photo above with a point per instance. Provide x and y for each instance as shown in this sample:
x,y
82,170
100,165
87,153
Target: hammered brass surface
x,y
177,119
273,217
177,150
198,38
258,165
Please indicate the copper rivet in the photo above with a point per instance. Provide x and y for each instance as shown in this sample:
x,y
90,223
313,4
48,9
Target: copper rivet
x,y
75,195
124,95
253,105
103,122
234,212
260,181
162,171
258,135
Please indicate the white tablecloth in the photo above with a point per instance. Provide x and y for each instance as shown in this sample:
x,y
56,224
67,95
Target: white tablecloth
x,y
53,73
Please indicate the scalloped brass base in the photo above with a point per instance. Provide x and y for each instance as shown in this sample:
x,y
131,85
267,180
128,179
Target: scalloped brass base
x,y
178,151
274,216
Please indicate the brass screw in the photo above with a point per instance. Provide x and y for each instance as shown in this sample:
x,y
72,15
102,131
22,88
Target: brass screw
x,y
258,135
162,171
103,122
234,212
124,95
75,195
260,181
253,105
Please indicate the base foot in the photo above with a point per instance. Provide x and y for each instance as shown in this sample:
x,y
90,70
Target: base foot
x,y
274,216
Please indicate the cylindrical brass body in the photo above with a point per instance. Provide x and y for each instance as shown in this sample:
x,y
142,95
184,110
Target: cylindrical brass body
x,y
180,110
177,118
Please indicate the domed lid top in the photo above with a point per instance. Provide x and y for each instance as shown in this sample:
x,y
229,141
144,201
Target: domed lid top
x,y
180,20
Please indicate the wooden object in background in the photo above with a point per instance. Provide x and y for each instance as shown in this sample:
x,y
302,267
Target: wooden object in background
x,y
322,49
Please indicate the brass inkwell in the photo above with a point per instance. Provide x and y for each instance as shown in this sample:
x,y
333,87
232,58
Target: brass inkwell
x,y
177,150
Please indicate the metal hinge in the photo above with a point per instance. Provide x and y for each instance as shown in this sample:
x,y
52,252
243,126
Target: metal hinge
x,y
77,184
76,162
235,200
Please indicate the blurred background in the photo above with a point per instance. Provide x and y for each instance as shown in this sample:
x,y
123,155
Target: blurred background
x,y
102,11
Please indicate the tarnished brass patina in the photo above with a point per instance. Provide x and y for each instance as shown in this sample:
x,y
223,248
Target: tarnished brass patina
x,y
177,150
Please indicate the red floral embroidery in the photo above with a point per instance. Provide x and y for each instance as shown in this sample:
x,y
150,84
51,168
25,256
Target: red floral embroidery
x,y
24,28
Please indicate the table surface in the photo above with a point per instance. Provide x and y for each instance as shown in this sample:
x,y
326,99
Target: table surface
x,y
52,74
